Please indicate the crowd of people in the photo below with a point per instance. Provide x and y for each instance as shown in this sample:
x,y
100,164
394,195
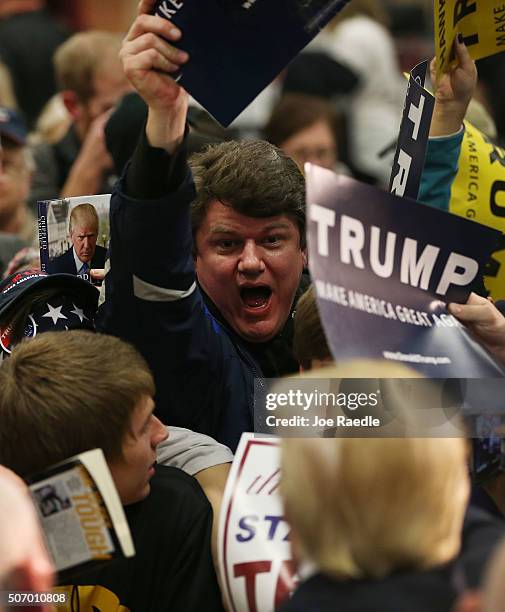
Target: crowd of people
x,y
205,290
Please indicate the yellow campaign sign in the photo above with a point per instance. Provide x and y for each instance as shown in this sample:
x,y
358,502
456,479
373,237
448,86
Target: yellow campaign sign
x,y
482,23
97,598
478,193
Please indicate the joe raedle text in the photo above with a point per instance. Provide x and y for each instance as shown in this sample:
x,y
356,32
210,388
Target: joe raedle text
x,y
319,421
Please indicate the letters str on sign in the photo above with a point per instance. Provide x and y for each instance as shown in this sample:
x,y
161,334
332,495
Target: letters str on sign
x,y
254,547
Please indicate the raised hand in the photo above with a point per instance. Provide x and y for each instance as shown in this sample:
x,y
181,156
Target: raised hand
x,y
148,61
453,91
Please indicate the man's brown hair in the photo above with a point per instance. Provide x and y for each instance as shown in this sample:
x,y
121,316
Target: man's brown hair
x,y
253,177
66,393
309,341
77,60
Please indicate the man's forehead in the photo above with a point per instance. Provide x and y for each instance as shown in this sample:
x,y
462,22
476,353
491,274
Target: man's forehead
x,y
221,219
85,230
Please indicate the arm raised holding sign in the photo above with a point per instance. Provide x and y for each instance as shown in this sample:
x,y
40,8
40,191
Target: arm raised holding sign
x,y
148,59
453,92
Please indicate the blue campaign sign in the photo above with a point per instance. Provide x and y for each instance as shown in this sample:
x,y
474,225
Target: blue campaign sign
x,y
413,136
237,47
383,273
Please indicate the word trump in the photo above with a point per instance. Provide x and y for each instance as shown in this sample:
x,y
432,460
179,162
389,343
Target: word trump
x,y
415,269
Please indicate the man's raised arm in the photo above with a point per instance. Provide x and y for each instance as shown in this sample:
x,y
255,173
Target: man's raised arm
x,y
148,60
152,299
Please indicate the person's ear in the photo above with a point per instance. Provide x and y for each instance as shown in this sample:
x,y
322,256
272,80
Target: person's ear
x,y
72,104
305,257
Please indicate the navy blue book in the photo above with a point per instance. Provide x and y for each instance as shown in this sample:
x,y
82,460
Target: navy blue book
x,y
238,47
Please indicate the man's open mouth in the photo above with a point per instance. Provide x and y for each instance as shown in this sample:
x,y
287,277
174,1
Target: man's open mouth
x,y
255,297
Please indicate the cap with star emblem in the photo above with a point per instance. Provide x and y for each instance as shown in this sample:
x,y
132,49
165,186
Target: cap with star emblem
x,y
17,286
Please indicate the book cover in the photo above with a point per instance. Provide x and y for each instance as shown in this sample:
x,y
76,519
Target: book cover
x,y
74,234
238,47
81,514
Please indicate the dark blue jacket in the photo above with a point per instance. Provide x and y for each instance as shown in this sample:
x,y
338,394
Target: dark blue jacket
x,y
204,375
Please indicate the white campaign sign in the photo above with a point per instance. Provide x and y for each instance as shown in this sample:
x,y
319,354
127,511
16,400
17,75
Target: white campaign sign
x,y
254,549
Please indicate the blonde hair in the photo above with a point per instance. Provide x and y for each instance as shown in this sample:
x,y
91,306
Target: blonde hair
x,y
372,506
78,59
7,95
83,215
52,123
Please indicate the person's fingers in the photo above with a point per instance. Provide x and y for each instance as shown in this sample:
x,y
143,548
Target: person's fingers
x,y
152,23
433,71
147,60
151,41
465,61
99,122
145,6
475,308
478,310
462,53
475,299
479,314
97,273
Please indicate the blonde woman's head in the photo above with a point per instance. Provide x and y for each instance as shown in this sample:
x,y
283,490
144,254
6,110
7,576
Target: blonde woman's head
x,y
367,507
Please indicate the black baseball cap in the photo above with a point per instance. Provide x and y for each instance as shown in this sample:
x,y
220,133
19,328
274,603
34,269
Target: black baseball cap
x,y
18,285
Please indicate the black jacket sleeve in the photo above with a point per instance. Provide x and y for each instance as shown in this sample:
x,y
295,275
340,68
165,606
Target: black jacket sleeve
x,y
154,172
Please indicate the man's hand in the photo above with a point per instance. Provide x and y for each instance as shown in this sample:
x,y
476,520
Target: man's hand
x,y
484,321
453,92
148,59
97,274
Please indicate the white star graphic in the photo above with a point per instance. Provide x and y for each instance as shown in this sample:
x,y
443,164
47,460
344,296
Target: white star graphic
x,y
79,313
54,313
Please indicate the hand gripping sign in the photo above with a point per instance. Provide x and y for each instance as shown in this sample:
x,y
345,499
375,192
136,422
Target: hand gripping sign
x,y
413,136
384,270
482,23
255,562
